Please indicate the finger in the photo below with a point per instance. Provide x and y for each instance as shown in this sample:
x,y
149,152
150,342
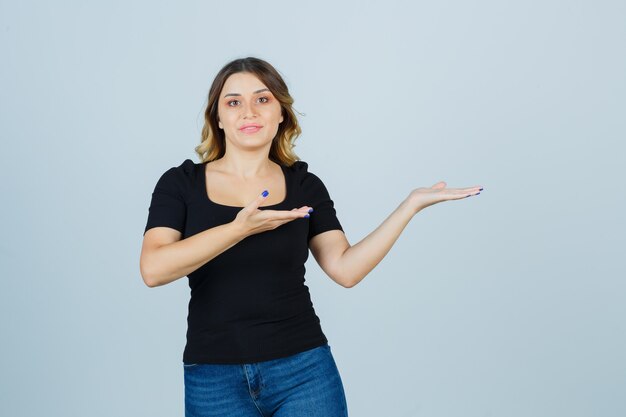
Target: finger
x,y
470,189
258,201
471,194
457,193
286,215
457,196
465,190
439,185
303,209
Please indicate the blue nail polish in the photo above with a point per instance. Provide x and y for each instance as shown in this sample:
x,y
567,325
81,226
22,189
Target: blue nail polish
x,y
477,194
306,215
310,210
480,189
265,193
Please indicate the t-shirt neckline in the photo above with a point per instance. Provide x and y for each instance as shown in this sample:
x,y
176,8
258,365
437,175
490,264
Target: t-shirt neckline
x,y
205,192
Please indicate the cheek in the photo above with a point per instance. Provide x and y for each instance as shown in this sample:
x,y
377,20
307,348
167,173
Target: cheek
x,y
275,113
226,118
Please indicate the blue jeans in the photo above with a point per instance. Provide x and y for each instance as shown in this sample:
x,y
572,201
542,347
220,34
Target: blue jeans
x,y
306,384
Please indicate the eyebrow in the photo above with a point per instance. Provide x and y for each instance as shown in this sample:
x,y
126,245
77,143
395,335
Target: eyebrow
x,y
256,92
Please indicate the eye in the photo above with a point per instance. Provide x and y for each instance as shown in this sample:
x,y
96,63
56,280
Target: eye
x,y
229,103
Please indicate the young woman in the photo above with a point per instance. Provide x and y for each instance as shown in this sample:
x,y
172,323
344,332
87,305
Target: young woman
x,y
240,225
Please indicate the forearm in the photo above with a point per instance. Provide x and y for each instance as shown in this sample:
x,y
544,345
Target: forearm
x,y
176,260
359,259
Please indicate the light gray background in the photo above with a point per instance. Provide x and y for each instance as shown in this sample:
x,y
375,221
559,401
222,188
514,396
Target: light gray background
x,y
510,303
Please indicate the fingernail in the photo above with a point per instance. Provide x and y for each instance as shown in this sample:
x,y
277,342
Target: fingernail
x,y
480,189
306,215
476,193
310,210
265,193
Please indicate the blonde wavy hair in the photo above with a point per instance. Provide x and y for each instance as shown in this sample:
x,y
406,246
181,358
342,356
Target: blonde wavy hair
x,y
213,143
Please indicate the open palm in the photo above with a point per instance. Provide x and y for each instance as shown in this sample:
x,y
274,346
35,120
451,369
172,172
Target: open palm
x,y
423,197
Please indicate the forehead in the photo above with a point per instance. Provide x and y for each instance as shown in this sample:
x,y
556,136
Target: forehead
x,y
242,83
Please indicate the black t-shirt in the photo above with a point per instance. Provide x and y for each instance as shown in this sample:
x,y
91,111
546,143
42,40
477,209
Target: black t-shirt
x,y
250,303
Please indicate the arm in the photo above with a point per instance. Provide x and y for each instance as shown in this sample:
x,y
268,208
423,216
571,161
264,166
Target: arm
x,y
165,258
348,265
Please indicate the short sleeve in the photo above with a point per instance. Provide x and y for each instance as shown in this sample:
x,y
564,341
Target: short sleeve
x,y
316,195
168,207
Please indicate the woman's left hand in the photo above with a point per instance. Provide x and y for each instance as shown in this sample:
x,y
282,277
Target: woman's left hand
x,y
422,197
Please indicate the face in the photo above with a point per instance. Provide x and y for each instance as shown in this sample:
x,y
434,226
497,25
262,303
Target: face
x,y
244,101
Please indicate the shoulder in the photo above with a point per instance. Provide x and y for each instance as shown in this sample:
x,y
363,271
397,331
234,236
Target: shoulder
x,y
309,182
299,167
302,173
185,170
178,177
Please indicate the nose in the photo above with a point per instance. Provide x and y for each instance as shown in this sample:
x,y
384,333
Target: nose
x,y
248,111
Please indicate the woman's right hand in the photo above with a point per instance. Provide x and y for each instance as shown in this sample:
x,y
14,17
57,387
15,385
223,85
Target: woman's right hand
x,y
252,220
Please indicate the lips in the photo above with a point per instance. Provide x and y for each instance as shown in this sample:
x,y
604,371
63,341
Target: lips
x,y
250,128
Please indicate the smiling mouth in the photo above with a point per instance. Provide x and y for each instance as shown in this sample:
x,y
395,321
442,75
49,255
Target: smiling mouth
x,y
251,129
